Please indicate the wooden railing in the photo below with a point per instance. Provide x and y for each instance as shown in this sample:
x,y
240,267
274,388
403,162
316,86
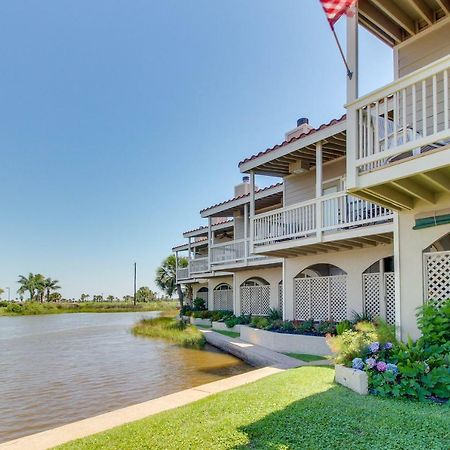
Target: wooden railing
x,y
228,251
182,273
403,119
337,211
198,265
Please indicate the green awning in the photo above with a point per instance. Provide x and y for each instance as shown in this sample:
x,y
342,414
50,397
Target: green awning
x,y
428,222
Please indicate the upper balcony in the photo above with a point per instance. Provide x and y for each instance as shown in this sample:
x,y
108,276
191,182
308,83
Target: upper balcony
x,y
332,222
398,139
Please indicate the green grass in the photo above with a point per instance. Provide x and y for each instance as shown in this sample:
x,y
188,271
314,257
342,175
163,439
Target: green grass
x,y
304,357
35,308
296,409
171,330
206,327
231,334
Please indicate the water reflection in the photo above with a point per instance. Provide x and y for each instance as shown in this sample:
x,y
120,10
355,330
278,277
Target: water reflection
x,y
60,368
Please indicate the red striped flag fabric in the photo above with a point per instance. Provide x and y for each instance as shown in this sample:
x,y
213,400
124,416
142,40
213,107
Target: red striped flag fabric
x,y
334,9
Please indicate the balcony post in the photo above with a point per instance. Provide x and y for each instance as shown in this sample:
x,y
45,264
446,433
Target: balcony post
x,y
209,242
252,208
352,94
189,256
246,241
176,266
319,176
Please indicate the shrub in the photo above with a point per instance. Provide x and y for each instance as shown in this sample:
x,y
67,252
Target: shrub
x,y
221,315
3,303
186,310
14,308
343,326
274,314
260,322
232,321
199,304
326,327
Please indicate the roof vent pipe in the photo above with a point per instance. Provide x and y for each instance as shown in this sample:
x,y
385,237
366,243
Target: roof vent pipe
x,y
246,179
302,121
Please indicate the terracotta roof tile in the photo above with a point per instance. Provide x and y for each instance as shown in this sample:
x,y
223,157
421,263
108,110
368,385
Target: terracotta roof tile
x,y
312,131
206,226
240,196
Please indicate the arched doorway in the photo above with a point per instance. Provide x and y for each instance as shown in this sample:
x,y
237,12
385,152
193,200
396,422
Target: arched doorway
x,y
223,297
436,270
203,294
379,290
255,297
320,293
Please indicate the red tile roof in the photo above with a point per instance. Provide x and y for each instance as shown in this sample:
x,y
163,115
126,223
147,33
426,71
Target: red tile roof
x,y
312,131
240,196
206,226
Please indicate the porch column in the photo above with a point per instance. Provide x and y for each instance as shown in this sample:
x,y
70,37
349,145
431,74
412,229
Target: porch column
x,y
189,256
210,242
382,290
319,191
246,243
352,94
176,266
397,269
252,208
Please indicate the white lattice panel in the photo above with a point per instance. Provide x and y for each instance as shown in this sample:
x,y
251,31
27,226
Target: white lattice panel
x,y
389,287
321,298
302,302
437,276
372,294
223,300
280,298
255,300
338,297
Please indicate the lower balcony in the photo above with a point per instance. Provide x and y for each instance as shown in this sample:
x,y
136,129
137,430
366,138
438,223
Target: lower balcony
x,y
337,221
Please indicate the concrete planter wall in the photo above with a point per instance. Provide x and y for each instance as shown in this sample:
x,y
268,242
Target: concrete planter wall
x,y
286,343
222,326
202,322
356,380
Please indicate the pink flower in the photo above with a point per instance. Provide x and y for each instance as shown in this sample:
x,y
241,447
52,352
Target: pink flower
x,y
381,366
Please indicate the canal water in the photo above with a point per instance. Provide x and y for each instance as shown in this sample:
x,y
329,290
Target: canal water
x,y
56,369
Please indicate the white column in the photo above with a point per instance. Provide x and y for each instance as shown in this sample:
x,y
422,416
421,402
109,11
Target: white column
x,y
397,269
382,291
319,190
176,266
246,231
210,242
252,208
352,94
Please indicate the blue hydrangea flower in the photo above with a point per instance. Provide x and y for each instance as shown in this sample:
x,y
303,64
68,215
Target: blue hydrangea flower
x,y
374,347
371,362
388,346
358,364
391,368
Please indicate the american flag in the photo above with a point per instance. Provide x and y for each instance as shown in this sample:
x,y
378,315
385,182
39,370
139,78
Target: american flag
x,y
334,9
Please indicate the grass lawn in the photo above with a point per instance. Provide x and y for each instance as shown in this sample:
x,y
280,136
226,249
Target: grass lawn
x,y
231,334
304,357
297,409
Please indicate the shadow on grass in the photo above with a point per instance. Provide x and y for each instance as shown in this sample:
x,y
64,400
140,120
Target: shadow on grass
x,y
340,419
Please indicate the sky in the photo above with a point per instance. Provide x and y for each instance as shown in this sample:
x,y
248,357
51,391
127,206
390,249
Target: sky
x,y
121,119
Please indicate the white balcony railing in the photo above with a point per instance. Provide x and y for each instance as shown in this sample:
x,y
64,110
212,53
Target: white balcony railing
x,y
198,265
182,273
228,251
403,119
338,212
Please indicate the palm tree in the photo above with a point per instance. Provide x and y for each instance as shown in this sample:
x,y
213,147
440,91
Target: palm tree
x,y
50,285
27,284
166,276
40,286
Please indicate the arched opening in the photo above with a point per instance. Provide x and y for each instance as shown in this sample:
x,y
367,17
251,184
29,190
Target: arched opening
x,y
436,269
223,297
255,281
320,293
255,296
203,294
321,270
378,282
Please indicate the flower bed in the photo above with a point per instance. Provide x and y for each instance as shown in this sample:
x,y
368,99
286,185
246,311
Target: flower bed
x,y
284,342
223,327
417,370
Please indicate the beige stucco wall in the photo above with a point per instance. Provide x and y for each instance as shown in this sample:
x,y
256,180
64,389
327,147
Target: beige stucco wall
x,y
196,287
272,275
411,244
353,262
302,187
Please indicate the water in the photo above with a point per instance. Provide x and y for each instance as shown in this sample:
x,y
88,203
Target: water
x,y
56,369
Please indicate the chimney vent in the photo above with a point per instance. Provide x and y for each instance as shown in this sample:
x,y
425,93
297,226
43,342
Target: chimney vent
x,y
246,179
303,127
302,120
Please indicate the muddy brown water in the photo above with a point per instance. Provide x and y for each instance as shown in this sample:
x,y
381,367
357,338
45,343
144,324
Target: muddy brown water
x,y
56,369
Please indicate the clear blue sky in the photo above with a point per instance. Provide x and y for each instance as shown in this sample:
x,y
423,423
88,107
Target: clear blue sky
x,y
121,119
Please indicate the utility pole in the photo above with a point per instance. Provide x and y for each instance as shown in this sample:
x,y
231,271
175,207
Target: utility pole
x,y
134,297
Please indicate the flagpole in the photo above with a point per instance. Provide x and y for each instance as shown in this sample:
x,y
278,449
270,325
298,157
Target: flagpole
x,y
349,72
